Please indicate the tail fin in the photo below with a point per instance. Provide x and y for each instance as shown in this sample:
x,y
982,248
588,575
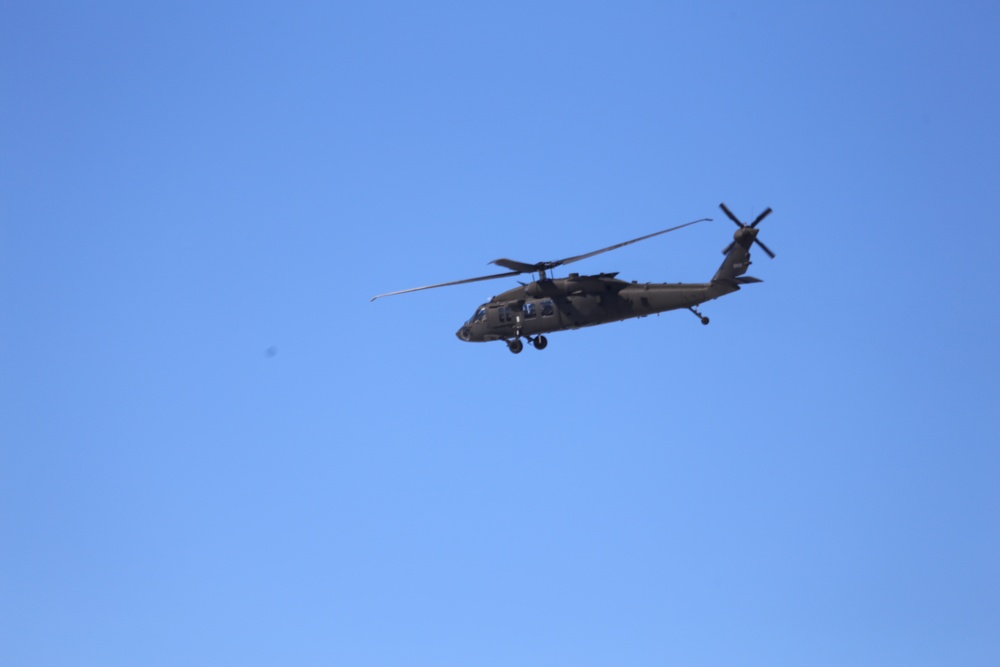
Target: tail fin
x,y
738,253
737,259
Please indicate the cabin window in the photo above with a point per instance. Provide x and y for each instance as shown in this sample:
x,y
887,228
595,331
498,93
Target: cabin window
x,y
530,311
480,315
548,308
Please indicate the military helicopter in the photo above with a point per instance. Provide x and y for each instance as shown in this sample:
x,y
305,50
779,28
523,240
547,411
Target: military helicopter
x,y
548,304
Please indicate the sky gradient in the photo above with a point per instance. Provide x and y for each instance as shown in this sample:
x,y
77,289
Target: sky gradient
x,y
215,450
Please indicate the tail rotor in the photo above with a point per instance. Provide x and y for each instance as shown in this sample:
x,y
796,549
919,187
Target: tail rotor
x,y
752,226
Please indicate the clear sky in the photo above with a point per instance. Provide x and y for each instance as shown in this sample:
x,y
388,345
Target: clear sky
x,y
214,450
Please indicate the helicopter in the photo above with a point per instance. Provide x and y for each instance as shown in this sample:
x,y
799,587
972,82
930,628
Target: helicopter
x,y
549,304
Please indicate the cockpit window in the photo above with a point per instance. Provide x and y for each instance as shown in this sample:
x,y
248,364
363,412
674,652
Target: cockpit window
x,y
479,316
530,311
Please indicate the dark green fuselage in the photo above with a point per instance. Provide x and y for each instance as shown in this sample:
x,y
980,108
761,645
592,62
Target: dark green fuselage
x,y
548,305
579,301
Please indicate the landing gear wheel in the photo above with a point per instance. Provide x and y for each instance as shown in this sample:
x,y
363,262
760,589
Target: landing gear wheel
x,y
540,342
704,320
515,345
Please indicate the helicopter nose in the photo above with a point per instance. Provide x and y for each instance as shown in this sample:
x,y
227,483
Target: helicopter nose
x,y
463,334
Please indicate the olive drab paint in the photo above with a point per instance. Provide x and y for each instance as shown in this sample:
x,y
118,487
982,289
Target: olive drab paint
x,y
547,304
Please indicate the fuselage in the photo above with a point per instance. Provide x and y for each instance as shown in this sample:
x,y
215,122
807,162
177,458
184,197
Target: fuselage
x,y
545,306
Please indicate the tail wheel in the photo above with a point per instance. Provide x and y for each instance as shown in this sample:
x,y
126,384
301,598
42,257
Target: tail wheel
x,y
515,345
540,342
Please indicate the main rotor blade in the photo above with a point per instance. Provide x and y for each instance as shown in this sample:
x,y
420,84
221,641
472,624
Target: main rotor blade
x,y
517,268
764,247
577,258
731,216
454,282
760,217
520,267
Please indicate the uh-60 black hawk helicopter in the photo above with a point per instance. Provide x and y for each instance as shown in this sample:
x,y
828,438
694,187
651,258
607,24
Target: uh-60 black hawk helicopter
x,y
557,304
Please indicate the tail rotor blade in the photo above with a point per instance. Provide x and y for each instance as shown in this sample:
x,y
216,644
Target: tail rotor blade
x,y
764,248
730,214
760,217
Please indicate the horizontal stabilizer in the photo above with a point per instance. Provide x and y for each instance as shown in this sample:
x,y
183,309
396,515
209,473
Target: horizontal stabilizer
x,y
747,279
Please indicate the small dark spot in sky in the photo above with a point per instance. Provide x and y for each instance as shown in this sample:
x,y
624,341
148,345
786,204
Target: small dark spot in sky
x,y
270,352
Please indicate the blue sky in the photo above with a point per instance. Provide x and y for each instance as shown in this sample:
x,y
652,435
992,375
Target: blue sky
x,y
811,479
